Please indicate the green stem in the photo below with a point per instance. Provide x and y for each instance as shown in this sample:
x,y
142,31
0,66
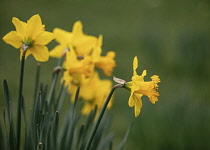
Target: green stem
x,y
20,102
100,116
55,77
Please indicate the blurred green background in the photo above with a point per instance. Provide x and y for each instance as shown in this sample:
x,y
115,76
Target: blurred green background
x,y
170,38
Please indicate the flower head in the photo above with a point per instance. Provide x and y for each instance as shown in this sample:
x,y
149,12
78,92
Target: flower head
x,y
138,87
83,44
30,37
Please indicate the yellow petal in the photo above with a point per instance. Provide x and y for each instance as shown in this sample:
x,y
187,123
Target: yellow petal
x,y
84,44
34,26
77,28
58,51
131,101
19,25
135,65
40,52
100,40
44,38
144,73
13,38
62,36
138,105
28,52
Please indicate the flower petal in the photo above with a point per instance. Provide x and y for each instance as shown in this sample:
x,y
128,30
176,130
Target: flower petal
x,y
13,38
34,26
28,52
135,65
62,36
58,51
137,108
19,25
77,28
40,52
44,38
131,101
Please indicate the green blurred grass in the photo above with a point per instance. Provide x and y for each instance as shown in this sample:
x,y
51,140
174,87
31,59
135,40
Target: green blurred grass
x,y
170,38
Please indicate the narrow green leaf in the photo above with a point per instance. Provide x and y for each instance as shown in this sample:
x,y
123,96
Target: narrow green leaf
x,y
80,136
101,114
7,147
110,146
1,137
38,109
62,99
36,82
55,129
89,123
59,94
107,142
120,147
8,100
76,99
12,138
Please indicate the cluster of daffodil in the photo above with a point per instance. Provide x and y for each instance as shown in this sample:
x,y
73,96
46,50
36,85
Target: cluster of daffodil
x,y
80,55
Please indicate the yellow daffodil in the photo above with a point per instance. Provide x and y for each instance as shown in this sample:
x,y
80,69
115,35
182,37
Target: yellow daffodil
x,y
30,37
138,87
95,92
83,44
78,68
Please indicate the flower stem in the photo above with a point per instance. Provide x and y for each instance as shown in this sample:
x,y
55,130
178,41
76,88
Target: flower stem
x,y
20,102
100,116
55,77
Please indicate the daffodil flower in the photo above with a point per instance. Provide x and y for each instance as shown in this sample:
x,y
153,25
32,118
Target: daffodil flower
x,y
77,68
30,37
138,87
83,44
94,93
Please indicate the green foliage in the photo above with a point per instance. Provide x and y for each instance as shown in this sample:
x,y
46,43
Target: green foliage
x,y
44,129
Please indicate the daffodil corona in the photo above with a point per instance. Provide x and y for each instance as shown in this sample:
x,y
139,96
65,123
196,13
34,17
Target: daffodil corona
x,y
30,37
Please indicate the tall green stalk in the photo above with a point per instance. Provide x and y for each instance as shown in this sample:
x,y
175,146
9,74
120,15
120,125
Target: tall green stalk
x,y
55,77
100,116
20,101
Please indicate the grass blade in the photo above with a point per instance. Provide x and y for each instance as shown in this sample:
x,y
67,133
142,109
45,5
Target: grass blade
x,y
5,132
125,137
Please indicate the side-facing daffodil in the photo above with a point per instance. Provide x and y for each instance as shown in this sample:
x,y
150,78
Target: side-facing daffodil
x,y
30,37
138,87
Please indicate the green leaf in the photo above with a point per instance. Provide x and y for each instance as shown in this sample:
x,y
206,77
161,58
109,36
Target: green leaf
x,y
120,147
8,101
12,138
5,132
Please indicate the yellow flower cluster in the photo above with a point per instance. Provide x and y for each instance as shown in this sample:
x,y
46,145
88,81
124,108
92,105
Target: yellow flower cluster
x,y
82,54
